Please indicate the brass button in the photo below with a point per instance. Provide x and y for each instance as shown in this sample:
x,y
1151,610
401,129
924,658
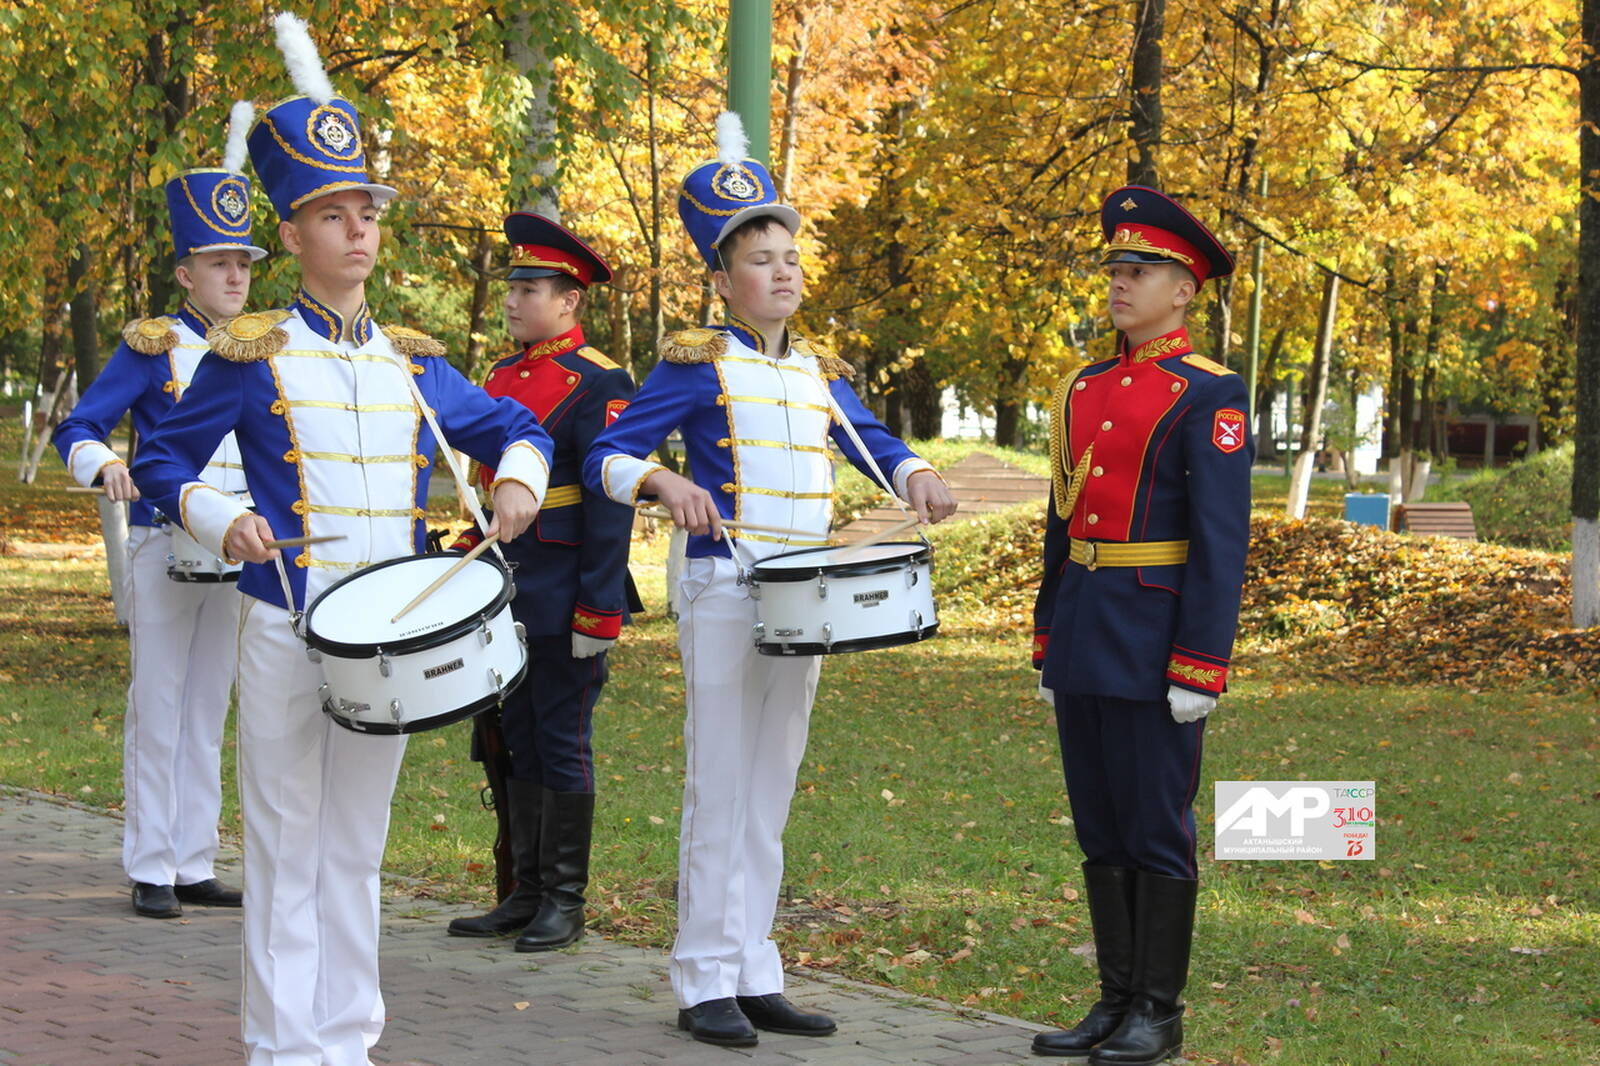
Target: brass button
x,y
1177,386
1080,385
1093,519
1127,379
572,379
523,374
1099,471
1106,424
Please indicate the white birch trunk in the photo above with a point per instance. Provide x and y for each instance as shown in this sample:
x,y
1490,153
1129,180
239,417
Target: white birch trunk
x,y
1585,572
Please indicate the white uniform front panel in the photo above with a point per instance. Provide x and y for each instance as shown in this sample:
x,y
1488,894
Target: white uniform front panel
x,y
224,470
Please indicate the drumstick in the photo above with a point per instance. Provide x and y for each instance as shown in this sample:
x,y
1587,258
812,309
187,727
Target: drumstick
x,y
447,575
658,512
877,538
85,488
300,542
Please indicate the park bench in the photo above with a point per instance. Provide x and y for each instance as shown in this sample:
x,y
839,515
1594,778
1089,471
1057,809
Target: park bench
x,y
1436,519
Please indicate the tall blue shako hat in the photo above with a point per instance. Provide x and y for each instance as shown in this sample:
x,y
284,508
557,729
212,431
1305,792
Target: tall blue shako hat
x,y
309,145
208,208
718,196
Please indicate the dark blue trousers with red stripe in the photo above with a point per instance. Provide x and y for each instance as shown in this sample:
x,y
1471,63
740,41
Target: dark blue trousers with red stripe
x,y
1132,774
548,720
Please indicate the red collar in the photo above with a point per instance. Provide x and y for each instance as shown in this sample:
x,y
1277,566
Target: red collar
x,y
1174,343
557,345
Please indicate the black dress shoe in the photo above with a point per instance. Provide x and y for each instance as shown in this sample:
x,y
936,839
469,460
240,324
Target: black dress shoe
x,y
155,901
718,1021
777,1015
210,893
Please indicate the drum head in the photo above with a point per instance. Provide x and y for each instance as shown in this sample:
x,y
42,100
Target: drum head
x,y
351,619
810,562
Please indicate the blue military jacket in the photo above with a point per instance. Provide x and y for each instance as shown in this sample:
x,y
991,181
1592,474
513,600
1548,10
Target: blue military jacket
x,y
1152,445
572,564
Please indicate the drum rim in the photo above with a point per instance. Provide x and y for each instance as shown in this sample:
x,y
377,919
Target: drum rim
x,y
438,721
844,647
864,568
420,642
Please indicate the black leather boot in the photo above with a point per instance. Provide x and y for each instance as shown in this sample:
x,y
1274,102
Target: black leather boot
x,y
564,869
1110,891
1163,922
526,799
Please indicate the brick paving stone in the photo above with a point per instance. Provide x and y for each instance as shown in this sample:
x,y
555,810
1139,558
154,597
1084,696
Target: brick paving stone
x,y
83,982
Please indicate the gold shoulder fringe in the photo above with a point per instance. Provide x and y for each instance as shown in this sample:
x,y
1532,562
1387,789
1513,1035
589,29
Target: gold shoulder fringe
x,y
597,357
150,336
249,338
1210,366
830,364
693,346
412,343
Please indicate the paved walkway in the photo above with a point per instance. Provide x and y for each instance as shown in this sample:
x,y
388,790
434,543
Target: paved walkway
x,y
980,482
84,982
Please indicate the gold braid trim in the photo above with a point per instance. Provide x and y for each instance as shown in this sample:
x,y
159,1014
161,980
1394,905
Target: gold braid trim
x,y
830,364
693,346
150,336
412,343
249,338
1066,485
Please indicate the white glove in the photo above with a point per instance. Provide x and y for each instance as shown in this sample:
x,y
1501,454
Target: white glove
x,y
1188,706
1045,694
585,647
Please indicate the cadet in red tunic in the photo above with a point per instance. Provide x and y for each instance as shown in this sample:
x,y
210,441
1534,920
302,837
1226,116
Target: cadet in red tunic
x,y
570,569
1144,557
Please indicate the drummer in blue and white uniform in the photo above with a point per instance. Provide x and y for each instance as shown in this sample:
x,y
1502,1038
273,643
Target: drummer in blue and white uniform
x,y
180,634
332,444
751,400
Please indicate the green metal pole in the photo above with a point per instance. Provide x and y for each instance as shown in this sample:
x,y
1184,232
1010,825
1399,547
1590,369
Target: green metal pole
x,y
750,71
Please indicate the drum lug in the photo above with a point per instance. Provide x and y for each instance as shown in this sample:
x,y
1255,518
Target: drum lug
x,y
522,633
499,683
314,655
916,622
385,668
323,692
485,634
827,635
911,577
395,711
822,587
759,632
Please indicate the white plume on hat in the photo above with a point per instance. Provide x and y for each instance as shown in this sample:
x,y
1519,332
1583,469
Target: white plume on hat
x,y
732,144
239,120
300,56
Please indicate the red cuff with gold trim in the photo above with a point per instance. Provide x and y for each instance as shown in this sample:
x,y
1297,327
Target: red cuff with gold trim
x,y
602,625
1041,641
1204,675
469,539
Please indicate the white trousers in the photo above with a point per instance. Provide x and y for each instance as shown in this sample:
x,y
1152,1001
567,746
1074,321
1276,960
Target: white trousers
x,y
316,815
181,638
743,737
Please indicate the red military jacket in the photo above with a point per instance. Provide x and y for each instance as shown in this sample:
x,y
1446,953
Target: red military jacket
x,y
572,563
1150,446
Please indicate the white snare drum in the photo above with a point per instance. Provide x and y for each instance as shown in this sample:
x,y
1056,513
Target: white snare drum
x,y
826,601
455,654
188,561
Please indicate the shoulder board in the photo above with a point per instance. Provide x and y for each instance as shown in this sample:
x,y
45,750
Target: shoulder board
x,y
597,357
830,365
412,342
250,337
151,336
692,346
1210,366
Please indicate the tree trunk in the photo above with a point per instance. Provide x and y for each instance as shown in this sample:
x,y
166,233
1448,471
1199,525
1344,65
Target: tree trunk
x,y
1586,435
794,85
85,315
176,102
1222,322
621,316
482,262
922,400
1311,432
1144,124
533,170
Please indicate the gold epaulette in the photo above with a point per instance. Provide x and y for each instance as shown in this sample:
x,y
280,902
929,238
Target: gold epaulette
x,y
250,337
830,365
1210,366
412,343
692,346
597,357
151,336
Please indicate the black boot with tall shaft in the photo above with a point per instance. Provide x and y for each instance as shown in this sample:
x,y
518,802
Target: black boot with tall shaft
x,y
1110,892
516,910
564,869
1163,921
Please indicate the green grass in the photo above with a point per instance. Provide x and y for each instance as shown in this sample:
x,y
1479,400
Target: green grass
x,y
930,846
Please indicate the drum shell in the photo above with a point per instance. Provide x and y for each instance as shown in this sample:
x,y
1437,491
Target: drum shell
x,y
424,682
869,604
188,561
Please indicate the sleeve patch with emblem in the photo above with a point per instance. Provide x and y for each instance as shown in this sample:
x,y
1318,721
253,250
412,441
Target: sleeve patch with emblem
x,y
614,409
1227,430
